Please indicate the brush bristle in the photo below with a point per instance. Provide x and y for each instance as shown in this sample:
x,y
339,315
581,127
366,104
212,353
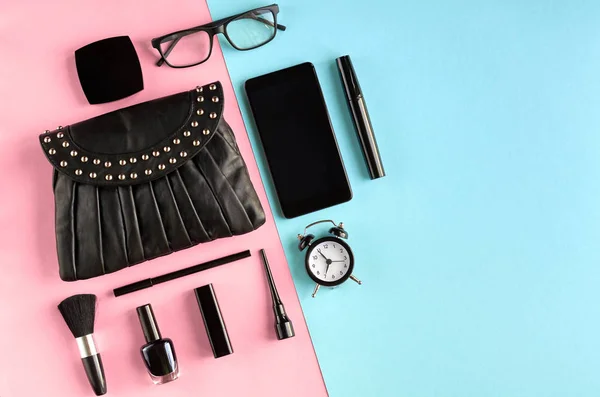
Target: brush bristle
x,y
79,312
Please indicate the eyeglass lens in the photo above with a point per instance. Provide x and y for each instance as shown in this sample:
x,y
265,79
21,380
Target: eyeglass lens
x,y
247,31
190,49
252,29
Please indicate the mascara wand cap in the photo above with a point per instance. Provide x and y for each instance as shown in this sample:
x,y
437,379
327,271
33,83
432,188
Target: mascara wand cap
x,y
348,75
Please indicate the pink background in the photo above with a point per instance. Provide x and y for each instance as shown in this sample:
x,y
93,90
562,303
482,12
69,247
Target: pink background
x,y
40,90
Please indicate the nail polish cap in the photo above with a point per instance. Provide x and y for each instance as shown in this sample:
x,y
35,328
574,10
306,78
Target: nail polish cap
x,y
148,323
213,321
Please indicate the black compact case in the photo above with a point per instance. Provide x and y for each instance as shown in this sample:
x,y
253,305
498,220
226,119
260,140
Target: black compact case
x,y
109,70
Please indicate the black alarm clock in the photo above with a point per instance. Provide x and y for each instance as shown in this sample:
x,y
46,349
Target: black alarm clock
x,y
329,260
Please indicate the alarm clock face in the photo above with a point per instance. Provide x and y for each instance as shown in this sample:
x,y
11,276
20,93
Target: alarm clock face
x,y
329,261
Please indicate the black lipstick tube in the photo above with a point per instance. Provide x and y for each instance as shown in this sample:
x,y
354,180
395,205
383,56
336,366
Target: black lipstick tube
x,y
360,116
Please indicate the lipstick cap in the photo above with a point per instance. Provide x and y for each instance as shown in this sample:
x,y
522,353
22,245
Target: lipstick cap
x,y
213,321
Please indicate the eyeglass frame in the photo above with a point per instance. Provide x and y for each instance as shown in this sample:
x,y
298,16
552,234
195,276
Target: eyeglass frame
x,y
212,29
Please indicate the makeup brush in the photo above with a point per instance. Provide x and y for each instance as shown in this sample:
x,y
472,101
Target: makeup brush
x,y
283,324
79,312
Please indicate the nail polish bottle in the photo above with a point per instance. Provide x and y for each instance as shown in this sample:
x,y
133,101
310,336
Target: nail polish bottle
x,y
158,353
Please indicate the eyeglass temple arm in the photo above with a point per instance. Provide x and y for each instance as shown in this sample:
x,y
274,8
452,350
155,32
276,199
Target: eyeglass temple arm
x,y
267,22
168,51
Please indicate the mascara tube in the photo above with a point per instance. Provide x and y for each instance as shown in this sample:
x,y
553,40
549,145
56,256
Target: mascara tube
x,y
360,116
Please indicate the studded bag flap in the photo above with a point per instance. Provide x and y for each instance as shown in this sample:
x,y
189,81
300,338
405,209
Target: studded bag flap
x,y
147,180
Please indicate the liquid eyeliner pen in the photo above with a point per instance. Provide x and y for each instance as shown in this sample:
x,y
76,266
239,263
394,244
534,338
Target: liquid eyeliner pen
x,y
283,324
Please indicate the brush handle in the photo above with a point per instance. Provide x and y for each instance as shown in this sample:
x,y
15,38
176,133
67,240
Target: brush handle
x,y
95,373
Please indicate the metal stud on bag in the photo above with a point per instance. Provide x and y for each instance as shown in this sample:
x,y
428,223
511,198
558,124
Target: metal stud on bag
x,y
132,172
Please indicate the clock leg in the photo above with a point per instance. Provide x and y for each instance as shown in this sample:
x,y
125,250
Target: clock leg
x,y
316,290
356,280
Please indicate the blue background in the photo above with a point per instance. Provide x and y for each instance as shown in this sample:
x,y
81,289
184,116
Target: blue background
x,y
479,250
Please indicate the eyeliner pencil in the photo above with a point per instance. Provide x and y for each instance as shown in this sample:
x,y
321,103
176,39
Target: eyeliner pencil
x,y
149,282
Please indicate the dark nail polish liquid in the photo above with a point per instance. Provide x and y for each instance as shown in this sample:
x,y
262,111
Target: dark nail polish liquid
x,y
158,353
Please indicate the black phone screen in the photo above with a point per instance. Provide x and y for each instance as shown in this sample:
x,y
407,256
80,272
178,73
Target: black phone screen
x,y
298,139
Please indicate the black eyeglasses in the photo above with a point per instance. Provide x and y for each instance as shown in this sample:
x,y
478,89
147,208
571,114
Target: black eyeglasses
x,y
245,31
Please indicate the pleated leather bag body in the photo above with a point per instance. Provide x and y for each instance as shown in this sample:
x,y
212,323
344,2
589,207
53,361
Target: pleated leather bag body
x,y
147,180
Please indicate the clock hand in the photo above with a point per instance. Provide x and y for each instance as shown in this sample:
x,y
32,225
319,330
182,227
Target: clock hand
x,y
319,251
343,260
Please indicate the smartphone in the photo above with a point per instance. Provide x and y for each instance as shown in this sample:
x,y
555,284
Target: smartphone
x,y
298,140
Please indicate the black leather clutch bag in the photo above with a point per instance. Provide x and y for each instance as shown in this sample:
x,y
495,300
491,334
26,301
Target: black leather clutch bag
x,y
147,180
